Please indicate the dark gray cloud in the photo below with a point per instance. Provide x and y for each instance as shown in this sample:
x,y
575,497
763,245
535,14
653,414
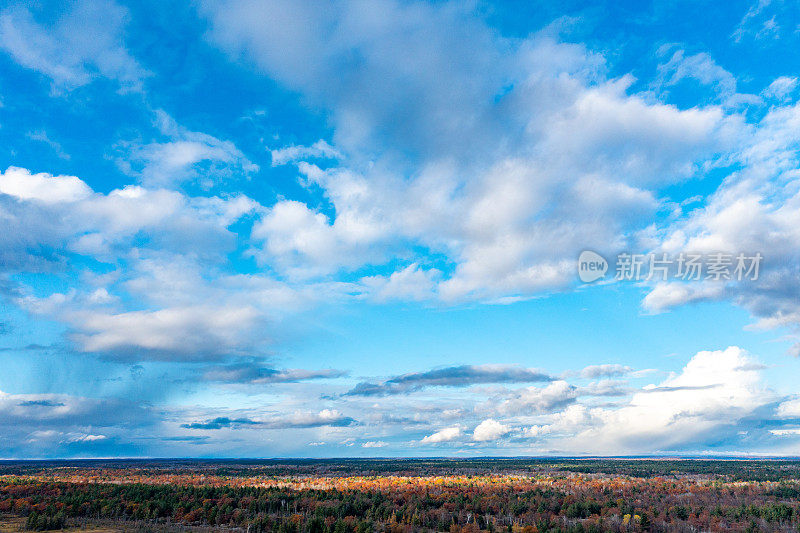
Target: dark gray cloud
x,y
190,439
682,388
64,412
453,376
40,403
751,366
28,348
221,422
255,373
60,425
325,417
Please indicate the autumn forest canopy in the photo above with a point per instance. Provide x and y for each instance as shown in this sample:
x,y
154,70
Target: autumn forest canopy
x,y
362,496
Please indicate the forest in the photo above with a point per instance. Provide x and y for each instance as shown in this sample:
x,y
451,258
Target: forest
x,y
359,496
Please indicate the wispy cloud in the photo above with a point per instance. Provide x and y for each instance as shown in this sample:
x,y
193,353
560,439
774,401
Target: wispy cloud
x,y
326,417
455,376
253,372
83,44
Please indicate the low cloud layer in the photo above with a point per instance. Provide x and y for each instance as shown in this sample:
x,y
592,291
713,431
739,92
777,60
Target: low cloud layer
x,y
326,417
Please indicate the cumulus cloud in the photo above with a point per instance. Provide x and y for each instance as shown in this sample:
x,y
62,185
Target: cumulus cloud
x,y
535,400
489,430
715,389
43,187
443,435
171,332
789,409
755,210
182,155
472,169
94,224
166,245
408,284
303,243
708,402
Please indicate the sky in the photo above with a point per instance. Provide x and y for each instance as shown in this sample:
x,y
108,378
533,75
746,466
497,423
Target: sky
x,y
235,228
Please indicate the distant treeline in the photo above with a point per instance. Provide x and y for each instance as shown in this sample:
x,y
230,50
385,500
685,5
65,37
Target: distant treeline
x,y
733,470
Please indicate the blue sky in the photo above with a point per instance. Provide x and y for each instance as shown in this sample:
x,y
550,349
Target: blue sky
x,y
263,229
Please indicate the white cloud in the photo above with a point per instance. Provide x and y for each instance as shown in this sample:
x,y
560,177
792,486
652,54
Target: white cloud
x,y
785,432
757,22
20,183
304,243
408,284
665,296
84,437
182,156
191,311
700,67
99,221
166,247
781,88
177,332
489,430
304,419
291,227
457,163
443,435
572,420
789,409
537,400
755,210
706,402
84,42
374,444
606,370
43,137
290,154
